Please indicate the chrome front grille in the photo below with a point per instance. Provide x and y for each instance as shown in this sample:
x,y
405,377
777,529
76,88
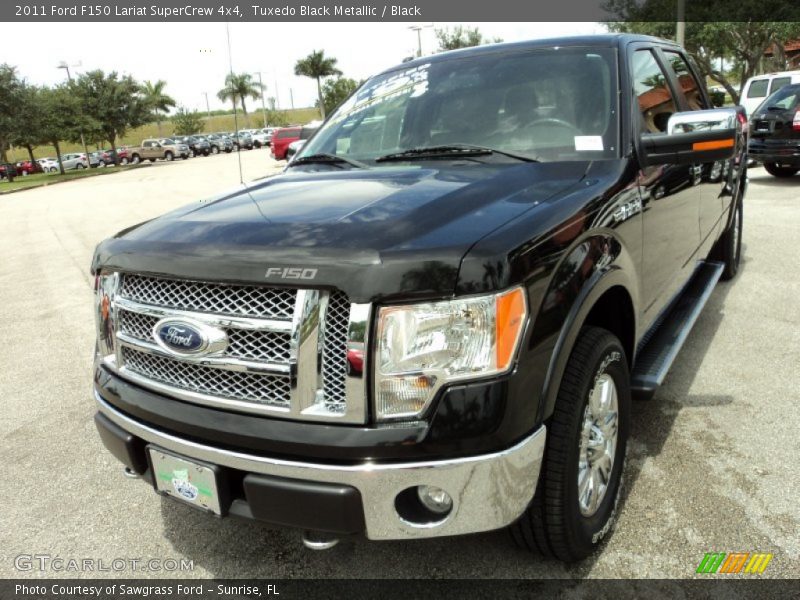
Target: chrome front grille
x,y
217,298
284,352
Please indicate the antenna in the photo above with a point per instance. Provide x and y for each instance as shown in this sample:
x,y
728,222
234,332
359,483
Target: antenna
x,y
235,115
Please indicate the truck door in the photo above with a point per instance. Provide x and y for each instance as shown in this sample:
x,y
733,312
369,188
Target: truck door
x,y
670,193
713,175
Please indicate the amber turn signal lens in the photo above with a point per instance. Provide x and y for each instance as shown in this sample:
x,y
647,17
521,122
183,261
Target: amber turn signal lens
x,y
509,322
713,145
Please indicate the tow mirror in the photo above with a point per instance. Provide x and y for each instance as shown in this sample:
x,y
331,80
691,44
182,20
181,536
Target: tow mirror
x,y
698,136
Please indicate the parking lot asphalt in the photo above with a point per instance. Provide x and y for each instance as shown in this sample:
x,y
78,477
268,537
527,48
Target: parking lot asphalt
x,y
712,465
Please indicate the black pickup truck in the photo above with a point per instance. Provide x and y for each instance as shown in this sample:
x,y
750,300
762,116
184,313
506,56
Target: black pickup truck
x,y
433,322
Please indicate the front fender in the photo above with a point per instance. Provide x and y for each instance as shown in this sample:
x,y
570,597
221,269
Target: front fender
x,y
594,265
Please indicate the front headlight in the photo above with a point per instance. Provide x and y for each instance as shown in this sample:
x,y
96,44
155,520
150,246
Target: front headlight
x,y
421,347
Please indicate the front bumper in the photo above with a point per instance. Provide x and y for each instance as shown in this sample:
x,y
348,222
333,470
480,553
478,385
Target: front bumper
x,y
489,491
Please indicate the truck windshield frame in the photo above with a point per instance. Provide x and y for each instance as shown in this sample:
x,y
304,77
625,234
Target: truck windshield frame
x,y
555,103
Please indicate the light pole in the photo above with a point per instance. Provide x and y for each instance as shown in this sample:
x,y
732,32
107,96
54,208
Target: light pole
x,y
208,107
418,29
680,27
263,104
65,66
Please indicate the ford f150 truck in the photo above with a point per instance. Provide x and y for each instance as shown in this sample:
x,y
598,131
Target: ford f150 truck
x,y
165,148
433,322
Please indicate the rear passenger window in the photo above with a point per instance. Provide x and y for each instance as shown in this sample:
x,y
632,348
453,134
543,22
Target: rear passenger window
x,y
687,82
656,103
778,83
758,88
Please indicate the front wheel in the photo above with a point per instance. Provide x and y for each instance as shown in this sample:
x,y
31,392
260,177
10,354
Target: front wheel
x,y
80,166
169,156
124,161
575,504
777,170
214,150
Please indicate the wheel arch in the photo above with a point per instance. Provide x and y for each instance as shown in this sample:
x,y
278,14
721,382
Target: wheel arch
x,y
606,296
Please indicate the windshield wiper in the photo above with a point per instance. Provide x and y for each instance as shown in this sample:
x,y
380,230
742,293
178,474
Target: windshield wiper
x,y
451,150
327,159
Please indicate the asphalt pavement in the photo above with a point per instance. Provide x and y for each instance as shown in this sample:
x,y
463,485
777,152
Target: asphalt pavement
x,y
712,465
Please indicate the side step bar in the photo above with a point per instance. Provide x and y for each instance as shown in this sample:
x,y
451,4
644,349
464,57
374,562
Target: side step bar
x,y
655,358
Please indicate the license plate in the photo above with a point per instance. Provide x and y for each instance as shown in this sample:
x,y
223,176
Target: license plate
x,y
186,480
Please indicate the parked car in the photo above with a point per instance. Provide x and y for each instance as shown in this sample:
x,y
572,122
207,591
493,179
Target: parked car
x,y
163,148
775,132
74,160
281,138
268,131
96,159
219,142
260,138
123,155
555,216
26,167
49,165
756,89
305,134
198,145
242,139
8,171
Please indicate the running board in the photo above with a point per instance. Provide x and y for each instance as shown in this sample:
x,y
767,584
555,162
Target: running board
x,y
655,358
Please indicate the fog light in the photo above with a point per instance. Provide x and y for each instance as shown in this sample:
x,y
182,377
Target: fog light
x,y
434,499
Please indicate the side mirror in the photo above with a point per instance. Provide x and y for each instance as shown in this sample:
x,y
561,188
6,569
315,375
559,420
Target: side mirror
x,y
698,136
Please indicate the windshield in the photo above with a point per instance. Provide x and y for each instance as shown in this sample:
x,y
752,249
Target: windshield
x,y
552,103
785,98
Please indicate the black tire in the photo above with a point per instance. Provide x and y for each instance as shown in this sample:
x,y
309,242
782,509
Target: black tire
x,y
152,160
777,170
136,159
124,161
193,153
80,166
53,170
169,156
205,152
228,150
214,149
728,249
554,524
236,147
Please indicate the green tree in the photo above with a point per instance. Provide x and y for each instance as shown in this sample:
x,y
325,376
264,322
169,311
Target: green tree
x,y
11,102
237,88
461,37
27,117
316,66
59,117
187,122
336,91
111,104
158,100
737,41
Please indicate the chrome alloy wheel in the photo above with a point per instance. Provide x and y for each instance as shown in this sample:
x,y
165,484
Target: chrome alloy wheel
x,y
598,444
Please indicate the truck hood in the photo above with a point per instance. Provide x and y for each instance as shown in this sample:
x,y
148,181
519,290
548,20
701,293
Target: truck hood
x,y
393,231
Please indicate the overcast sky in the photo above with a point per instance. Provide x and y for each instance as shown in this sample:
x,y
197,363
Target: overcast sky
x,y
193,58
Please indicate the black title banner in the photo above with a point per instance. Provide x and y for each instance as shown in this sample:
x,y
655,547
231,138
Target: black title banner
x,y
397,10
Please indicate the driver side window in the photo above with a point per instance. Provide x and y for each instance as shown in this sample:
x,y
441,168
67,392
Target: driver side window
x,y
655,100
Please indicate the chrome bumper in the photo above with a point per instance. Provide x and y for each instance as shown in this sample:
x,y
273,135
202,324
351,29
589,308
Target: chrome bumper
x,y
488,491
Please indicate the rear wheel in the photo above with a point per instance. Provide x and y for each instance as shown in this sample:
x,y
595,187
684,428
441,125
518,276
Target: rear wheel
x,y
777,170
579,487
53,169
80,166
729,247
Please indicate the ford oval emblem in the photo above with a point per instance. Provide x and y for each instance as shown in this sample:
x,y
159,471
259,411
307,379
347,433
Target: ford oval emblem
x,y
187,337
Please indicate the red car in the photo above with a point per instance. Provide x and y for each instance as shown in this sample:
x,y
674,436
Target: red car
x,y
355,358
26,167
281,138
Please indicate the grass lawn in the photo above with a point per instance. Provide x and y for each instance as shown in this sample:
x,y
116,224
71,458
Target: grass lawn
x,y
40,179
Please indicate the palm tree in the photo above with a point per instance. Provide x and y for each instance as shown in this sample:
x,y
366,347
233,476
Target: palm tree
x,y
159,102
238,87
317,66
